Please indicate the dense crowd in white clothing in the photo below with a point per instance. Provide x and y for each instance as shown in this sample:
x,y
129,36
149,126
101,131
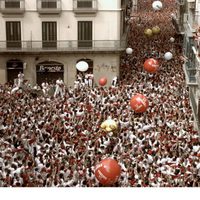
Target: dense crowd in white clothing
x,y
57,140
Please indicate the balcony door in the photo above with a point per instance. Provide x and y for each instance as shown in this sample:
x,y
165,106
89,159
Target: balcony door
x,y
84,4
49,34
12,4
49,4
85,34
13,34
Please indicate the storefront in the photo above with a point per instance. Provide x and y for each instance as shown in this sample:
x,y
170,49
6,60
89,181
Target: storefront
x,y
14,66
49,71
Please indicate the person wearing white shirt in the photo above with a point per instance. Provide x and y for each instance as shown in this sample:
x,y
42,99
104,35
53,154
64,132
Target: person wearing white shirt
x,y
76,84
150,159
15,88
45,88
106,142
146,127
59,88
198,168
196,148
90,80
79,113
114,81
86,80
18,83
20,79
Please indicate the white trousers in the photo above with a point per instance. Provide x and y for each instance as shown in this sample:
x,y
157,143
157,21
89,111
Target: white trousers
x,y
14,90
59,91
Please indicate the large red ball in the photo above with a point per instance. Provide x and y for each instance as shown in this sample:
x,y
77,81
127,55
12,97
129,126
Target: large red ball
x,y
151,65
102,81
108,171
139,103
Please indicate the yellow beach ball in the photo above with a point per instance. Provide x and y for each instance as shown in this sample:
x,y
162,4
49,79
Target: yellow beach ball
x,y
109,125
148,32
156,30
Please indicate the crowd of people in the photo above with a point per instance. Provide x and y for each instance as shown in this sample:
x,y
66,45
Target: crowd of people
x,y
57,140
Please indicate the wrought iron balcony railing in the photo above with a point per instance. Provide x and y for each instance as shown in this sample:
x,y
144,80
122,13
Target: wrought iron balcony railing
x,y
69,46
178,22
12,6
191,4
194,103
49,6
85,6
190,72
191,76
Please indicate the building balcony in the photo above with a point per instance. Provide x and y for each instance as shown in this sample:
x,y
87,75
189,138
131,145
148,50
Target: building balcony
x,y
193,102
62,46
46,7
190,71
191,75
12,6
85,7
194,106
181,2
191,4
178,25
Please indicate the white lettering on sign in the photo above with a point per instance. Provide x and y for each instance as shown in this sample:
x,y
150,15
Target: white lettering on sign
x,y
41,68
55,68
98,166
101,175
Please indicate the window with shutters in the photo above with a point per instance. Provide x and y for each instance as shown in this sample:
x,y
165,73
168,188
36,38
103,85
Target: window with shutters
x,y
13,34
85,34
84,4
12,4
49,34
49,4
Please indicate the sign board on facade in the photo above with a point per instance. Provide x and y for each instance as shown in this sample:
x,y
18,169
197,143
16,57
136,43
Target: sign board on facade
x,y
50,67
14,64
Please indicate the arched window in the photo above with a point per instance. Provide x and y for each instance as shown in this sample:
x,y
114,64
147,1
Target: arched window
x,y
14,66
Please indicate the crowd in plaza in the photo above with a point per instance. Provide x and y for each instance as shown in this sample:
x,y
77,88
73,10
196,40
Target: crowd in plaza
x,y
57,140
